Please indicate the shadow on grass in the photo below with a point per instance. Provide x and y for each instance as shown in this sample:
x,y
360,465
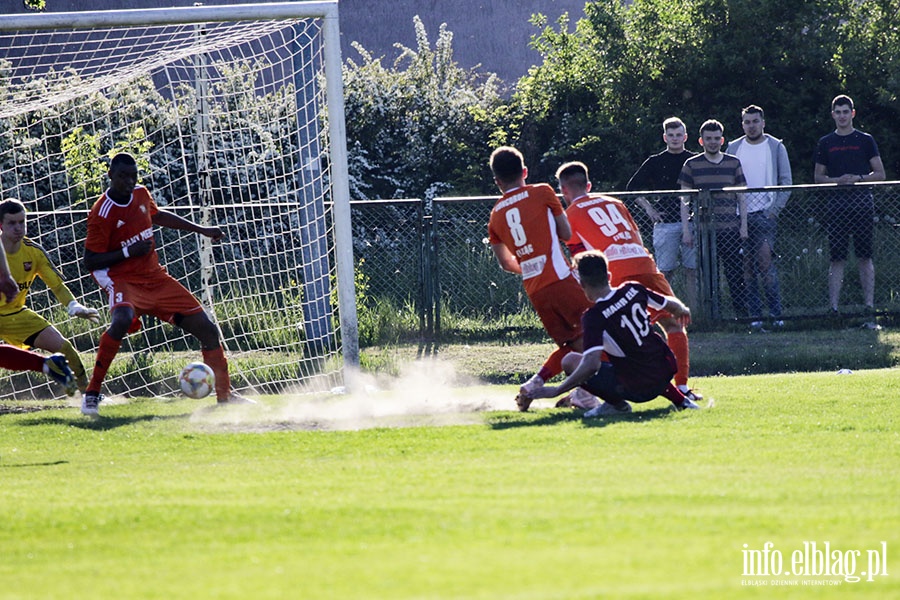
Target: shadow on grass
x,y
555,417
101,423
40,464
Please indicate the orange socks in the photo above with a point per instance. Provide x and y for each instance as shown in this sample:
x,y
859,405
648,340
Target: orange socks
x,y
219,364
106,352
678,342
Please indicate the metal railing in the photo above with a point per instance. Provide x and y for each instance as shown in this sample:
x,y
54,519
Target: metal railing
x,y
435,257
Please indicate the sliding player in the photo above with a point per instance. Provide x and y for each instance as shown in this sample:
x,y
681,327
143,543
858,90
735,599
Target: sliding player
x,y
604,223
641,365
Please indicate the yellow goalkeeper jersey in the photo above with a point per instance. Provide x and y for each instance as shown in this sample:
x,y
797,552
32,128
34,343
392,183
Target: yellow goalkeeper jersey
x,y
29,262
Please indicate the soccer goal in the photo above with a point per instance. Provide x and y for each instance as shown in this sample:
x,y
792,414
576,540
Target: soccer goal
x,y
235,114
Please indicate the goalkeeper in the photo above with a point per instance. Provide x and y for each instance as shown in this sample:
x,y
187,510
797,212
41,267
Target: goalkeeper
x,y
19,325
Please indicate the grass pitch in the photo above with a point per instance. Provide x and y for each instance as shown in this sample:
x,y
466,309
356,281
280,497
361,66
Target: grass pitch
x,y
445,496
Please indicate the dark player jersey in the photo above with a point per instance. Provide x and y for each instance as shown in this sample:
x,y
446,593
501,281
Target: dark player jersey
x,y
619,324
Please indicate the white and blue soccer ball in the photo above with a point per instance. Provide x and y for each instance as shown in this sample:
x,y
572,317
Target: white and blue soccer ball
x,y
197,380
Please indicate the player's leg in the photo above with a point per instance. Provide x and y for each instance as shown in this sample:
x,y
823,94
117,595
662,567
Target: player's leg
x,y
20,330
122,317
50,339
54,366
606,386
201,327
559,306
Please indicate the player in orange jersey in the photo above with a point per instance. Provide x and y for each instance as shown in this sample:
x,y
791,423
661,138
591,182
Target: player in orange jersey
x,y
526,228
120,254
604,223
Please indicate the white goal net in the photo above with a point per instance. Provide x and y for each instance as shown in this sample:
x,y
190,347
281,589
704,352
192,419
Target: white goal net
x,y
236,118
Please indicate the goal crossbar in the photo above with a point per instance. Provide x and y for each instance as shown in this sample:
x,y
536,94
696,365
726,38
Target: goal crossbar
x,y
168,16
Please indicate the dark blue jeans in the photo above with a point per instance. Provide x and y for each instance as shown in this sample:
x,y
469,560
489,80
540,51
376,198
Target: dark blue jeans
x,y
761,230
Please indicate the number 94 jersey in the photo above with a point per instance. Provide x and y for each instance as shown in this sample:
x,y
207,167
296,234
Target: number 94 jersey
x,y
620,325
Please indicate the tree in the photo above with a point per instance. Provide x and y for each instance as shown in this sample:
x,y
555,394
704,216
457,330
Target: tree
x,y
421,128
603,89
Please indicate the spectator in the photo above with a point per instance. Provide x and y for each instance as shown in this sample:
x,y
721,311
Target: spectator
x,y
847,156
658,173
716,170
764,160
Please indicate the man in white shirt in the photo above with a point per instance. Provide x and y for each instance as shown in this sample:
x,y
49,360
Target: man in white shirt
x,y
764,160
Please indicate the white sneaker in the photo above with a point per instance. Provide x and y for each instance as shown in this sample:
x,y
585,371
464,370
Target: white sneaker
x,y
524,399
581,398
688,404
532,384
605,409
235,398
90,404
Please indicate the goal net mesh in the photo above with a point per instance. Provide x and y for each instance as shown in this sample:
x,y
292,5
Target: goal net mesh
x,y
227,121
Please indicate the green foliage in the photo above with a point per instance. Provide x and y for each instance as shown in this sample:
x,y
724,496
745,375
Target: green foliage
x,y
603,90
80,151
420,128
39,5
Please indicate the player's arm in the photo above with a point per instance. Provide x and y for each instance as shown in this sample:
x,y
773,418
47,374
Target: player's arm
x,y
589,364
506,259
73,306
64,295
563,228
677,309
8,286
164,218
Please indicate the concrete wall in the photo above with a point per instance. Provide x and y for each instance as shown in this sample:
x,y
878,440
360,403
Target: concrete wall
x,y
492,33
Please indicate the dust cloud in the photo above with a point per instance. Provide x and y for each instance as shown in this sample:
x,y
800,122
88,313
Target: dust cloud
x,y
427,393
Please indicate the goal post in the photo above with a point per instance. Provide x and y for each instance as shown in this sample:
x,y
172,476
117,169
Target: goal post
x,y
236,116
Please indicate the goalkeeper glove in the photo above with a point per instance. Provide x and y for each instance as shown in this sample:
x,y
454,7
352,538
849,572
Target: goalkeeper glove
x,y
76,309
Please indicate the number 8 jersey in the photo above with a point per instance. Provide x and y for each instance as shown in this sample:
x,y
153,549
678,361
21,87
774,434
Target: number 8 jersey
x,y
620,325
523,220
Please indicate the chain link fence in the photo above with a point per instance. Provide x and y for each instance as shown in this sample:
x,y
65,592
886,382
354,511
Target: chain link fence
x,y
433,259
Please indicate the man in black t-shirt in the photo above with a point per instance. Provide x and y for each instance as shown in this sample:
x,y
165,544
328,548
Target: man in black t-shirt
x,y
659,173
849,157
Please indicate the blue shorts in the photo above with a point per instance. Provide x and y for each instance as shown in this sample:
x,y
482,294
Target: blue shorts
x,y
667,248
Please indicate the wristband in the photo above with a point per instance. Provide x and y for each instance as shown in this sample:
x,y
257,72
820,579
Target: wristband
x,y
125,251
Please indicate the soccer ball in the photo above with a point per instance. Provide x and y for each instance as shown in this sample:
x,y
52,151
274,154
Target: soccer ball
x,y
197,380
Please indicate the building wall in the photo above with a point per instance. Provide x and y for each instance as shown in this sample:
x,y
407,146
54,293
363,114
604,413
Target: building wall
x,y
491,33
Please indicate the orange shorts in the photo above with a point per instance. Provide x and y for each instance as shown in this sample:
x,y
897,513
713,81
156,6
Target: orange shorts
x,y
560,306
655,282
158,294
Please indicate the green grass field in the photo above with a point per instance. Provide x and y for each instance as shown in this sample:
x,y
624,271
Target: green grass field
x,y
436,493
